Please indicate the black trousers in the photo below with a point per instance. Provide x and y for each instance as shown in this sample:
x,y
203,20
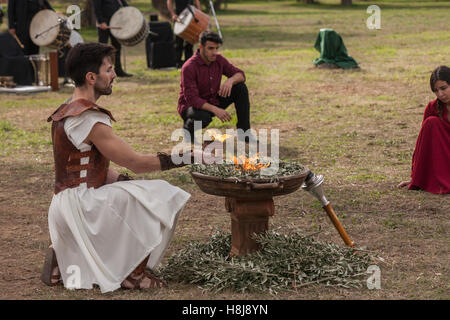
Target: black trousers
x,y
103,36
239,95
180,46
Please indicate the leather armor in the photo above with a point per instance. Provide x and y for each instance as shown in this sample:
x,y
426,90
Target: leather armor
x,y
67,156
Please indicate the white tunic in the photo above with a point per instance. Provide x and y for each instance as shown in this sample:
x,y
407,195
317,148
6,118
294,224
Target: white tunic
x,y
101,235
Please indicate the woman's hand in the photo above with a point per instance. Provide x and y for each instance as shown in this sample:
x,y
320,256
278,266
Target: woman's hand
x,y
403,184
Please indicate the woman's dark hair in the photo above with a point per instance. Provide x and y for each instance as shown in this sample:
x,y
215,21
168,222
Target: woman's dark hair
x,y
210,36
440,73
84,58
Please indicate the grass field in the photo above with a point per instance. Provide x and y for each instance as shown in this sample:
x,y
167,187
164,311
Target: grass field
x,y
356,127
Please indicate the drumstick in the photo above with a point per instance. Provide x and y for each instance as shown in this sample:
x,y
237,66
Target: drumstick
x,y
109,27
18,41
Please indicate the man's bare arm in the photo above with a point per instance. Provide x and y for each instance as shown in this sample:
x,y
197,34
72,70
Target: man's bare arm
x,y
170,8
120,152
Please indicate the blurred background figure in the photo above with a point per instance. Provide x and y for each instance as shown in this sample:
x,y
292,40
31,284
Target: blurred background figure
x,y
20,13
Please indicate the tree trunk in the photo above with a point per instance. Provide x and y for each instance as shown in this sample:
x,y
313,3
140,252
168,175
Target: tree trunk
x,y
216,4
88,15
161,6
346,2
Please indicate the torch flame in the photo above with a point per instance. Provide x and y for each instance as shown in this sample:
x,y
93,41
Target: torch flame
x,y
249,164
221,137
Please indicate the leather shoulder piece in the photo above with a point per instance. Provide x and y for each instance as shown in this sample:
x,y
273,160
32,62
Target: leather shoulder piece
x,y
76,108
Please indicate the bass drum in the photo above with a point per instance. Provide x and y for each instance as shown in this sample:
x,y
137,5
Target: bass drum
x,y
50,29
129,26
190,26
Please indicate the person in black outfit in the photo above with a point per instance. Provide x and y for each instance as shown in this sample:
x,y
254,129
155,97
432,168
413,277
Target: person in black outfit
x,y
1,14
20,13
180,44
104,10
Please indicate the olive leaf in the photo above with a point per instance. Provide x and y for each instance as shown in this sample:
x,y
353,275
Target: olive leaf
x,y
285,262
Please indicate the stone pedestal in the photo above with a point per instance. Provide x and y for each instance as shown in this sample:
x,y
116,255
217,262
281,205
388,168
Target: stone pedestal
x,y
248,216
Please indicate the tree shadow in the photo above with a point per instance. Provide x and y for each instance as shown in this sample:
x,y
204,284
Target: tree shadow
x,y
255,37
237,12
363,5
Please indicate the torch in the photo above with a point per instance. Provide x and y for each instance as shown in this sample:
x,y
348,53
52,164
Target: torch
x,y
313,184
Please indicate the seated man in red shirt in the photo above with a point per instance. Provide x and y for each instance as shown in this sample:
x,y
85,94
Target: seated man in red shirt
x,y
201,94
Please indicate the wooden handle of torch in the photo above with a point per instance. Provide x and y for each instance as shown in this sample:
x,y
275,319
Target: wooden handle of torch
x,y
337,224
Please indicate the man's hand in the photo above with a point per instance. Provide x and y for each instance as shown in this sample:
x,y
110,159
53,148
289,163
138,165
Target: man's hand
x,y
174,17
218,112
103,26
12,31
225,89
222,114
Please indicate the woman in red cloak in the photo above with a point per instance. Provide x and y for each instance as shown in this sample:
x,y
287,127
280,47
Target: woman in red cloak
x,y
431,158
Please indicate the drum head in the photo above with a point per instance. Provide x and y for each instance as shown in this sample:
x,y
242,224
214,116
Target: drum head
x,y
41,22
75,38
185,19
130,21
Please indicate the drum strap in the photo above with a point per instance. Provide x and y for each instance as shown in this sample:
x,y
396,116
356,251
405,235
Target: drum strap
x,y
192,11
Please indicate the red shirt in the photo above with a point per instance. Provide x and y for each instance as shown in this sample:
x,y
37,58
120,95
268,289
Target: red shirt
x,y
201,82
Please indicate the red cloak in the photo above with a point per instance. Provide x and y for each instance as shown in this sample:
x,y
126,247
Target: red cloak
x,y
431,158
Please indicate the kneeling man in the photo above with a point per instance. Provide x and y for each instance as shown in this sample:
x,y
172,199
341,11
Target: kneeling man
x,y
105,228
201,94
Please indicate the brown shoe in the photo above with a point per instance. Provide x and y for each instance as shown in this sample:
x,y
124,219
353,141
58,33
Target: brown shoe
x,y
142,278
50,273
144,281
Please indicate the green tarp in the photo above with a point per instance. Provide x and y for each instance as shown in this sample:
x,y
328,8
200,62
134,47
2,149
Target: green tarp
x,y
332,50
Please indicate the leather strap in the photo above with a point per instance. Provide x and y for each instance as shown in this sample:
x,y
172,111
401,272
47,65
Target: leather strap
x,y
80,155
78,167
76,108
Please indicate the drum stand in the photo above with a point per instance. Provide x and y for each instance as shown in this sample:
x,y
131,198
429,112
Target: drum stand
x,y
124,59
215,18
54,70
